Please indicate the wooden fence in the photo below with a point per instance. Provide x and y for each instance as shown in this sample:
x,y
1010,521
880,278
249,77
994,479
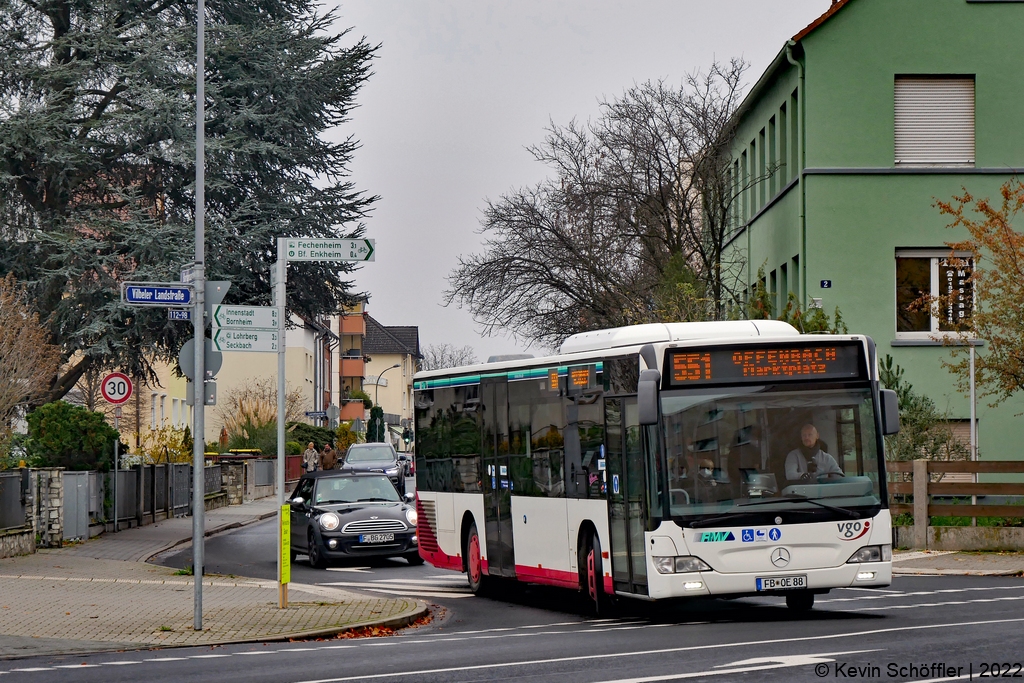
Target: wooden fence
x,y
920,478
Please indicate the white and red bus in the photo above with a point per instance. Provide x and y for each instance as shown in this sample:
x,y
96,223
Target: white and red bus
x,y
662,461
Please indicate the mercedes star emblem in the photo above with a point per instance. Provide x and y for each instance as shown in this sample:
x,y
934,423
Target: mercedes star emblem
x,y
780,557
373,518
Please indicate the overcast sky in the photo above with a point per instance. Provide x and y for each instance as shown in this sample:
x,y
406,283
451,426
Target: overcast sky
x,y
461,88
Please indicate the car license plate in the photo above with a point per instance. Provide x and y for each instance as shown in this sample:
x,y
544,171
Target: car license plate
x,y
376,538
782,583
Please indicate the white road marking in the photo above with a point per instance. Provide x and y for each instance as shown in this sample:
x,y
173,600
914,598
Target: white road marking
x,y
121,663
418,594
1007,598
166,659
745,666
361,570
208,656
910,594
642,653
75,666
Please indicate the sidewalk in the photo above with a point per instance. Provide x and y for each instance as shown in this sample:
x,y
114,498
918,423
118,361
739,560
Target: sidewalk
x,y
101,595
938,562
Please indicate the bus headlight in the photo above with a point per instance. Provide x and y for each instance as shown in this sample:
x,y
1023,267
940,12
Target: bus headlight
x,y
872,553
680,565
329,521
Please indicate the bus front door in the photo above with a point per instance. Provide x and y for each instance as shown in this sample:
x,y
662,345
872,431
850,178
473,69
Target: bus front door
x,y
626,495
497,479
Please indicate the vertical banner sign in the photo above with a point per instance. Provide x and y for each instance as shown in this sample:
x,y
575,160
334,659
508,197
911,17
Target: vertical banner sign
x,y
957,289
286,544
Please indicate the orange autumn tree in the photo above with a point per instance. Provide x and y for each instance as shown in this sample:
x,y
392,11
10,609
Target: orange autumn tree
x,y
998,283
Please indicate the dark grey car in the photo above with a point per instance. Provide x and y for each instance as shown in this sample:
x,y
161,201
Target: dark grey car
x,y
376,457
337,515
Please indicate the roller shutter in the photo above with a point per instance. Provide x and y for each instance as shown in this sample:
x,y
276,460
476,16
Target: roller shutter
x,y
934,121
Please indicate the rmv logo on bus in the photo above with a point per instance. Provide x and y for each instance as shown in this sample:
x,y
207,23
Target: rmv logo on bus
x,y
715,536
851,531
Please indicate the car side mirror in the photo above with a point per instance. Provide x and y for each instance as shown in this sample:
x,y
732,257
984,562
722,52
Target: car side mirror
x,y
297,502
890,411
409,497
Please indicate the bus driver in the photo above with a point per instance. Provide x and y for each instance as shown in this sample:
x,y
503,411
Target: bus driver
x,y
809,461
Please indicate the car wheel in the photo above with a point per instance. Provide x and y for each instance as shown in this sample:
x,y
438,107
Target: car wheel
x,y
292,554
800,601
478,581
414,559
316,554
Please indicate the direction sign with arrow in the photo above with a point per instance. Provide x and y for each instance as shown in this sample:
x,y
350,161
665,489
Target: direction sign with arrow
x,y
314,249
264,341
246,317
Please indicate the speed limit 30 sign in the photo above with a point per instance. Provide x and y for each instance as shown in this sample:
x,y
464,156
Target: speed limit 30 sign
x,y
116,388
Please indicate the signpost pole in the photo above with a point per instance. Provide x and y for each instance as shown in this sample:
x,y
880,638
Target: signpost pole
x,y
281,270
199,325
117,446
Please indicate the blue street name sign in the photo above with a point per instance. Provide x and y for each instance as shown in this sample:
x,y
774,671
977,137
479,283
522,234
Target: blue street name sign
x,y
179,314
316,413
156,294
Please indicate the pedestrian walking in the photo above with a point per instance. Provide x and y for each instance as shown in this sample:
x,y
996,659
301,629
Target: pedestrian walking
x,y
329,458
310,459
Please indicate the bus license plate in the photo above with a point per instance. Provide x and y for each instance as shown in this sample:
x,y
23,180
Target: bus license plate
x,y
376,538
782,583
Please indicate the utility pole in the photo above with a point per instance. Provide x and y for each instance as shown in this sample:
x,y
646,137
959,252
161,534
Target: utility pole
x,y
199,326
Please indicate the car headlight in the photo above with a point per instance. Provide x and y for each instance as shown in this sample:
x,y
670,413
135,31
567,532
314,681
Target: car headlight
x,y
411,515
680,565
871,553
329,521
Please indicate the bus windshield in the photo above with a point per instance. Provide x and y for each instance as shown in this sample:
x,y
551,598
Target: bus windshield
x,y
756,451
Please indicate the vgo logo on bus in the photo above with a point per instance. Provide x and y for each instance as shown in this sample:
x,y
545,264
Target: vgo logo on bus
x,y
851,531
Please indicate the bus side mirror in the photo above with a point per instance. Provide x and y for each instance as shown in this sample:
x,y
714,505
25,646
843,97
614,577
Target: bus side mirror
x,y
647,396
890,412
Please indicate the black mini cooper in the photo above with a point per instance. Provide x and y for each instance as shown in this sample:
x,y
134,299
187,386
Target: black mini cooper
x,y
339,515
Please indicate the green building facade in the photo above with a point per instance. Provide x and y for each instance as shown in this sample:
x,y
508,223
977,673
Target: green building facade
x,y
864,120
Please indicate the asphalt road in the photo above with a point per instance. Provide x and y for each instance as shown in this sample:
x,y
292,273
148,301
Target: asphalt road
x,y
920,629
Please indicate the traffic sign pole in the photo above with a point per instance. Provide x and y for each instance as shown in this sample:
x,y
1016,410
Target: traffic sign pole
x,y
116,388
281,270
199,326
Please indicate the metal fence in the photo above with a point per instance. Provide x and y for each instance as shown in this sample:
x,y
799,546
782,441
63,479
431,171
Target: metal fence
x,y
12,500
181,491
212,479
76,504
264,472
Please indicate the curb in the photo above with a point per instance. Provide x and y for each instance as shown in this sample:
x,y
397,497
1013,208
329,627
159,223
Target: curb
x,y
924,571
210,532
419,610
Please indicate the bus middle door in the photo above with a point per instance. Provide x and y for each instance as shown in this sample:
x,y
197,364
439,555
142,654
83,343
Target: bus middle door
x,y
497,478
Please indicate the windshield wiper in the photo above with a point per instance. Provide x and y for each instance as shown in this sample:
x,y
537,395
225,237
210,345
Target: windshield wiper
x,y
377,500
813,501
712,521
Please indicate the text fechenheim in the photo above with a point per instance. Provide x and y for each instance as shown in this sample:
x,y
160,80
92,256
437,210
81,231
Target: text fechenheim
x,y
323,249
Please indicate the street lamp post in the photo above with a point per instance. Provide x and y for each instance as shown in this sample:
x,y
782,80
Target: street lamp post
x,y
376,393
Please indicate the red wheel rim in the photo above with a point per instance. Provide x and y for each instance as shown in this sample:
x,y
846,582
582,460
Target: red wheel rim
x,y
474,558
591,576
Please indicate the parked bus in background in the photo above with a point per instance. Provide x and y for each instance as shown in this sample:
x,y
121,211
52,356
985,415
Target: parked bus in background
x,y
662,461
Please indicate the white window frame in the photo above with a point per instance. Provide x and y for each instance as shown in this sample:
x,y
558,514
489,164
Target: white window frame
x,y
936,255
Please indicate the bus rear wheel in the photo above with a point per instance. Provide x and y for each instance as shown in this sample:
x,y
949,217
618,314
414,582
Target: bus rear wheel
x,y
800,601
474,563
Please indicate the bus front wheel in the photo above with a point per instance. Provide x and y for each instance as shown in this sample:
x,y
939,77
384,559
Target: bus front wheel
x,y
593,576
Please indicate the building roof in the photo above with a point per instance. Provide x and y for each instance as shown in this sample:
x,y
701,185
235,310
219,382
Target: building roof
x,y
781,61
401,339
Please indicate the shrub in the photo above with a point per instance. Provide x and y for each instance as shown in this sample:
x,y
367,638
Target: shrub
x,y
64,435
292,448
304,433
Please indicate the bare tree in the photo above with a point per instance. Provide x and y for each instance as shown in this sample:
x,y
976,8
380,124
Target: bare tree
x,y
440,356
632,227
27,360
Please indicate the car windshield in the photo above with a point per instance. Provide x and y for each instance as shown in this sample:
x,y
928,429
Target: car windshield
x,y
354,490
370,454
757,450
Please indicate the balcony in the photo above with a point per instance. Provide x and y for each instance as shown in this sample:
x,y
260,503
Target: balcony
x,y
352,410
353,324
352,366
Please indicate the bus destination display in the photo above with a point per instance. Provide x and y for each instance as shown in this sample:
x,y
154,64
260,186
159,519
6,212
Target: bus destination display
x,y
687,367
